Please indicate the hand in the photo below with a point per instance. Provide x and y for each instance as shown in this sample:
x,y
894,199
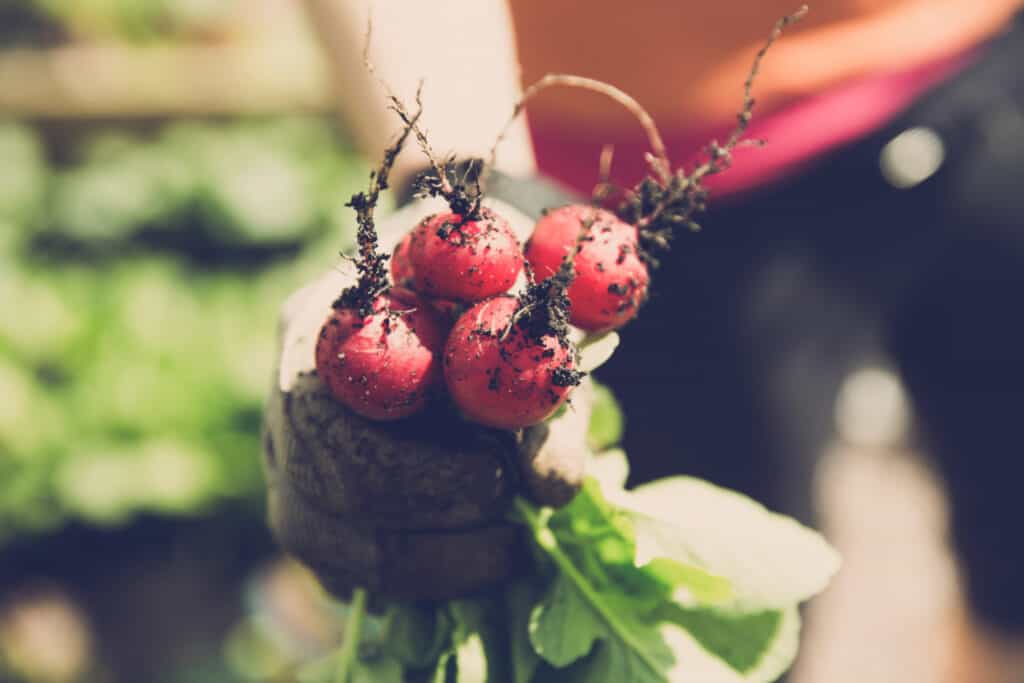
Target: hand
x,y
413,509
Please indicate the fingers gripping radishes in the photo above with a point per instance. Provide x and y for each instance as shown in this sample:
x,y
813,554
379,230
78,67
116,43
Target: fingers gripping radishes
x,y
500,373
611,279
467,260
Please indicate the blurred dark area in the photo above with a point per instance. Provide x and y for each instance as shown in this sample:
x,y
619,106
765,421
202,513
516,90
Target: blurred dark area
x,y
28,24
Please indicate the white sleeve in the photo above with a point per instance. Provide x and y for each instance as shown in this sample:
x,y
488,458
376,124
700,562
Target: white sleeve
x,y
462,50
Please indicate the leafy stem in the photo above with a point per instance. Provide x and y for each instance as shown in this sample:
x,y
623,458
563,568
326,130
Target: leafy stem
x,y
350,648
546,540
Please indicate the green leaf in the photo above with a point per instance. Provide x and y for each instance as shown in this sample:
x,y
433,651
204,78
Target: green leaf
x,y
589,522
416,634
520,597
566,625
371,670
595,351
721,648
563,627
601,540
738,640
614,662
771,561
606,421
699,586
627,649
25,174
677,581
575,614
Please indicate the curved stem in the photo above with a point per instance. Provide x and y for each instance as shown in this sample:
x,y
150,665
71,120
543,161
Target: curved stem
x,y
661,163
350,648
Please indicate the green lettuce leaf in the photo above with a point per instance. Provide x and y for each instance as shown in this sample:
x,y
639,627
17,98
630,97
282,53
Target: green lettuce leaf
x,y
771,561
722,648
520,597
572,618
595,615
601,539
563,627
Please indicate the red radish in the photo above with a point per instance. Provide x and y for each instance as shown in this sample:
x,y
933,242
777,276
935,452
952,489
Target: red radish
x,y
402,276
385,365
447,309
378,351
464,260
500,372
468,253
611,279
401,266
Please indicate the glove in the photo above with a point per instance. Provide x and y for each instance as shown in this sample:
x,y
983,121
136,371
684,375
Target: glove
x,y
413,509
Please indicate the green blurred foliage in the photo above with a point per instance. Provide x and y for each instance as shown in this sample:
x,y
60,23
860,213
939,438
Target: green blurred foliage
x,y
23,182
140,287
134,20
259,185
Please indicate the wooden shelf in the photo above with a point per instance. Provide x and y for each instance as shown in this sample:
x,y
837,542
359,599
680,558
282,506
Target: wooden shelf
x,y
116,81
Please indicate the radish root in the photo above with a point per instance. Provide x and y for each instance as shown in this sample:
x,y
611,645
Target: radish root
x,y
659,164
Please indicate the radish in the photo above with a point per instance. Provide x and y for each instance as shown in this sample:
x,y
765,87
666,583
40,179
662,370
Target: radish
x,y
401,266
500,372
466,259
447,309
468,253
402,277
611,278
379,350
385,365
508,362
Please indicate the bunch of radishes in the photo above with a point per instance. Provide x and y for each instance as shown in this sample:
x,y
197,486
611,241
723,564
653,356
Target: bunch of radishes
x,y
447,314
447,319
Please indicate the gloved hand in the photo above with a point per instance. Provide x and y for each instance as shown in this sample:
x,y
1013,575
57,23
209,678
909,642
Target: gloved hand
x,y
413,509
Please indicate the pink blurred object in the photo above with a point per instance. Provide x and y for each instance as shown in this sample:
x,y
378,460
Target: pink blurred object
x,y
795,134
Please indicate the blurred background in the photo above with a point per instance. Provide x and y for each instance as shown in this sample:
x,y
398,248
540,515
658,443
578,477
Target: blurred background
x,y
151,224
169,171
